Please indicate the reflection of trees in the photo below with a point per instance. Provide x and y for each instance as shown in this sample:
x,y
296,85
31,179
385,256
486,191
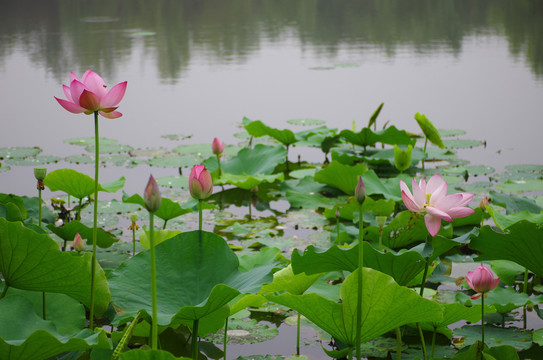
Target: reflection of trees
x,y
64,35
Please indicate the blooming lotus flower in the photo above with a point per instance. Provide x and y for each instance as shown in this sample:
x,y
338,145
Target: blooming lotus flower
x,y
482,281
90,94
151,196
217,146
432,200
200,182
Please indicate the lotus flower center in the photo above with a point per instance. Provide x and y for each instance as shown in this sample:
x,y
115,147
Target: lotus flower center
x,y
427,203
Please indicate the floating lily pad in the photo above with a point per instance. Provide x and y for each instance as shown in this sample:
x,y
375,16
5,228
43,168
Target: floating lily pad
x,y
525,167
110,148
521,186
515,176
174,181
19,152
4,168
305,122
451,132
478,187
346,65
79,159
462,143
149,152
322,68
144,33
33,161
116,160
103,221
202,150
244,332
86,141
518,338
177,136
174,161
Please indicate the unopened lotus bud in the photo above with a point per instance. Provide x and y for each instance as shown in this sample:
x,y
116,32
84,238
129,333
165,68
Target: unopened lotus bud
x,y
134,217
381,221
402,158
151,196
78,244
200,182
217,146
484,203
338,213
360,191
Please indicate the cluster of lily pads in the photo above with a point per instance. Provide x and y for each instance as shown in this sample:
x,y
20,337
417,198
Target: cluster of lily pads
x,y
284,242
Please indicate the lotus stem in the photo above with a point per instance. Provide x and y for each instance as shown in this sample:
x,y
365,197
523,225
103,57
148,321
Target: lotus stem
x,y
200,215
525,289
298,336
95,216
194,344
483,320
219,162
398,344
422,341
154,329
134,241
39,224
424,150
433,343
360,266
225,338
43,304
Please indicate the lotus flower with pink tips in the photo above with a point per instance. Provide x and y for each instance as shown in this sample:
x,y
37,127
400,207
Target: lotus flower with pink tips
x,y
481,281
431,199
90,94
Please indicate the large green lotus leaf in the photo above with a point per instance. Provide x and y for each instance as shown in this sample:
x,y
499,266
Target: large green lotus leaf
x,y
248,182
261,160
159,236
518,338
14,207
24,335
32,261
67,232
342,177
522,243
385,306
538,337
505,221
402,267
194,278
258,128
404,229
148,354
514,204
367,137
507,271
502,299
77,184
286,280
452,313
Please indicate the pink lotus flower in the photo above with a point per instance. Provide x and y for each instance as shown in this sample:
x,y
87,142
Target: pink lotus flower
x,y
432,200
90,95
481,281
78,243
217,146
200,182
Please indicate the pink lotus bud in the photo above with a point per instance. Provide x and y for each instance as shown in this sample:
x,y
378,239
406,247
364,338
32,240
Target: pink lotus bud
x,y
481,280
151,195
360,191
78,244
217,146
484,203
200,182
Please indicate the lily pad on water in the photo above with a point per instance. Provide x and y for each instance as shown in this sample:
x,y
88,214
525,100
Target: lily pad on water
x,y
174,161
305,122
494,336
462,143
33,161
86,141
26,336
525,167
110,148
241,331
174,181
19,152
451,132
32,261
201,150
195,277
79,159
521,186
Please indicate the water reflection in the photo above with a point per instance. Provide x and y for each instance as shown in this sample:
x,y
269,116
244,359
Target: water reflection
x,y
73,35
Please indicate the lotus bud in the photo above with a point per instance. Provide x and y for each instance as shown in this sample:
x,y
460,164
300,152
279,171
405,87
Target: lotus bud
x,y
484,203
134,218
133,225
338,213
39,174
200,182
481,281
78,243
402,158
217,146
151,196
381,221
360,191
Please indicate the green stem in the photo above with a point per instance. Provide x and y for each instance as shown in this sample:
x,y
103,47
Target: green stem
x,y
4,290
219,162
433,343
525,288
154,331
298,336
200,215
422,286
360,266
337,230
39,207
194,344
225,339
424,150
380,238
43,304
398,344
423,342
95,218
483,319
134,241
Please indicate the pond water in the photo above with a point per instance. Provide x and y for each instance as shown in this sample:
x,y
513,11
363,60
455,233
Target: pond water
x,y
198,67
